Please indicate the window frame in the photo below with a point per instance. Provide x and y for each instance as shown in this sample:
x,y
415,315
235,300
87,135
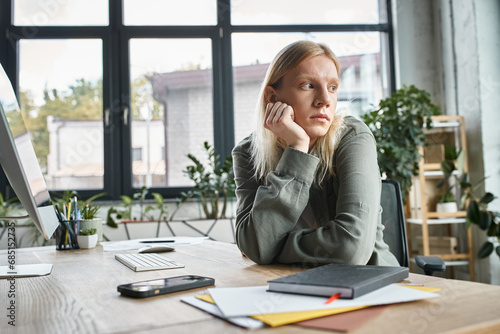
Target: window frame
x,y
116,74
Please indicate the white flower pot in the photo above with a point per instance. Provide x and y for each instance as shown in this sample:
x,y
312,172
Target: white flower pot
x,y
87,241
446,207
93,223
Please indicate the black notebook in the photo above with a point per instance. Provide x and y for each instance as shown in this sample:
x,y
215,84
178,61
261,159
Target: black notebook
x,y
351,281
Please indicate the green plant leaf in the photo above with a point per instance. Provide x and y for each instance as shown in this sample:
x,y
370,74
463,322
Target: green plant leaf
x,y
487,198
127,200
441,183
158,198
485,250
493,229
461,161
90,199
447,167
473,212
484,220
90,231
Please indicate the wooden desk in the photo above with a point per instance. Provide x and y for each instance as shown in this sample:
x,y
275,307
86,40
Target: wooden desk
x,y
80,297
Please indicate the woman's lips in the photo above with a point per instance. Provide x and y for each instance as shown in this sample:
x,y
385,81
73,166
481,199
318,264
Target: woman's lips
x,y
321,117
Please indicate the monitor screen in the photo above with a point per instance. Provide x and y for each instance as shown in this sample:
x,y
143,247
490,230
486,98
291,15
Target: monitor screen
x,y
19,161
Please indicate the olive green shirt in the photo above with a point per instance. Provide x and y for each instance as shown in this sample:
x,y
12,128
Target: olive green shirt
x,y
346,206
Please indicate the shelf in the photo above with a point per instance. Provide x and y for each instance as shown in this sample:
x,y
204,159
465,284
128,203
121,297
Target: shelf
x,y
435,170
433,167
441,215
450,263
418,221
445,124
446,131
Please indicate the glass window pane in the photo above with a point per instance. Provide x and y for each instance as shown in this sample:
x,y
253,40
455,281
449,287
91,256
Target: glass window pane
x,y
363,80
264,12
61,13
172,113
61,95
170,12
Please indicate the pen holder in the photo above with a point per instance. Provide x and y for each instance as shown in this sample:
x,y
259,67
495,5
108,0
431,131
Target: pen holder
x,y
66,234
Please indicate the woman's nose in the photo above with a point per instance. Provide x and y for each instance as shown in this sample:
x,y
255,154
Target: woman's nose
x,y
323,98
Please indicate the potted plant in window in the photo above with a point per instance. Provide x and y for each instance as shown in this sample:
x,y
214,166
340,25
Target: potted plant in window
x,y
125,210
213,182
398,127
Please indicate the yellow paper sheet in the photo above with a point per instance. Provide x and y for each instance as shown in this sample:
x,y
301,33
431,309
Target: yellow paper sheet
x,y
280,319
422,288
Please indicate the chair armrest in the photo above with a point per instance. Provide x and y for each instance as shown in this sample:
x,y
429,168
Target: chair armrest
x,y
430,264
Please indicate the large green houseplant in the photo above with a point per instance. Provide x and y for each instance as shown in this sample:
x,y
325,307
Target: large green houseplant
x,y
398,127
213,182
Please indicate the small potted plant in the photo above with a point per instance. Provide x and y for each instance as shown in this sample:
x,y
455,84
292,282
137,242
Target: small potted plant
x,y
87,238
446,203
450,181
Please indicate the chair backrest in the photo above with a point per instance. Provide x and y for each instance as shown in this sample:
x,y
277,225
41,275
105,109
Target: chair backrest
x,y
394,221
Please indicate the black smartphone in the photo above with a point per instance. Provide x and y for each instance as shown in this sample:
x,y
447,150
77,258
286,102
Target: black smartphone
x,y
164,285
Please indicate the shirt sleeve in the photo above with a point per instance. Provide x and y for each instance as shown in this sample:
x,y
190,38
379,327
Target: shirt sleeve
x,y
266,214
349,235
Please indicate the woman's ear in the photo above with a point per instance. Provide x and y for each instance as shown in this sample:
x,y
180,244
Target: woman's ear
x,y
270,95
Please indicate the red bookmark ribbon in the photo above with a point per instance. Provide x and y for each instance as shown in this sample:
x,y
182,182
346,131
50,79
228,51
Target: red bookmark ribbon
x,y
332,298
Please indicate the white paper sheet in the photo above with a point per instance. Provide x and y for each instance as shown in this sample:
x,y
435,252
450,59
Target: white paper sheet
x,y
245,301
136,243
245,322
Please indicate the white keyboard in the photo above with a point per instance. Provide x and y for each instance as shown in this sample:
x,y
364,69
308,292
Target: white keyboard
x,y
150,261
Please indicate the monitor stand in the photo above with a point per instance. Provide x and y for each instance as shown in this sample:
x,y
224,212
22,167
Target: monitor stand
x,y
24,270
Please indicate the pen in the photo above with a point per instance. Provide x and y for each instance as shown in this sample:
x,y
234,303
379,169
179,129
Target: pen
x,y
155,241
332,298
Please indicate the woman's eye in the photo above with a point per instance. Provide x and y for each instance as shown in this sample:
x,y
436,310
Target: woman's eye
x,y
308,86
333,88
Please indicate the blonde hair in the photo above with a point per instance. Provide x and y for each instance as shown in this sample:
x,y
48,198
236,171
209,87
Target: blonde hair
x,y
266,147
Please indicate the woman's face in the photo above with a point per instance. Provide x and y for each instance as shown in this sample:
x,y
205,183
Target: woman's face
x,y
311,90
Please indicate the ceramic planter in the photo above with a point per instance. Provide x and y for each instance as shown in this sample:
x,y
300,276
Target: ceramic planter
x,y
446,207
87,241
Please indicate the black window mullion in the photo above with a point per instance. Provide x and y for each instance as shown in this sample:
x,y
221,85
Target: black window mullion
x,y
224,113
313,28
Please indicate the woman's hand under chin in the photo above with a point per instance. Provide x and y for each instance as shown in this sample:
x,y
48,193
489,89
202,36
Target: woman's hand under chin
x,y
280,120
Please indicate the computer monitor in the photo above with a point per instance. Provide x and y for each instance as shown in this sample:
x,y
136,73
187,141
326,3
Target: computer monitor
x,y
21,166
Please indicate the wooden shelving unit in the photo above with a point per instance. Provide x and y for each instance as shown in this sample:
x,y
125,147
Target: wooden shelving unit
x,y
421,209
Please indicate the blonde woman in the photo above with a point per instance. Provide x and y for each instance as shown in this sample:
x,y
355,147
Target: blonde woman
x,y
307,180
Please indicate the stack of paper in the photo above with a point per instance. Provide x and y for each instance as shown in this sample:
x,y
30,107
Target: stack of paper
x,y
243,306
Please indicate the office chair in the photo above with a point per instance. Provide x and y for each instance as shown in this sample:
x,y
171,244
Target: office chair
x,y
393,220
